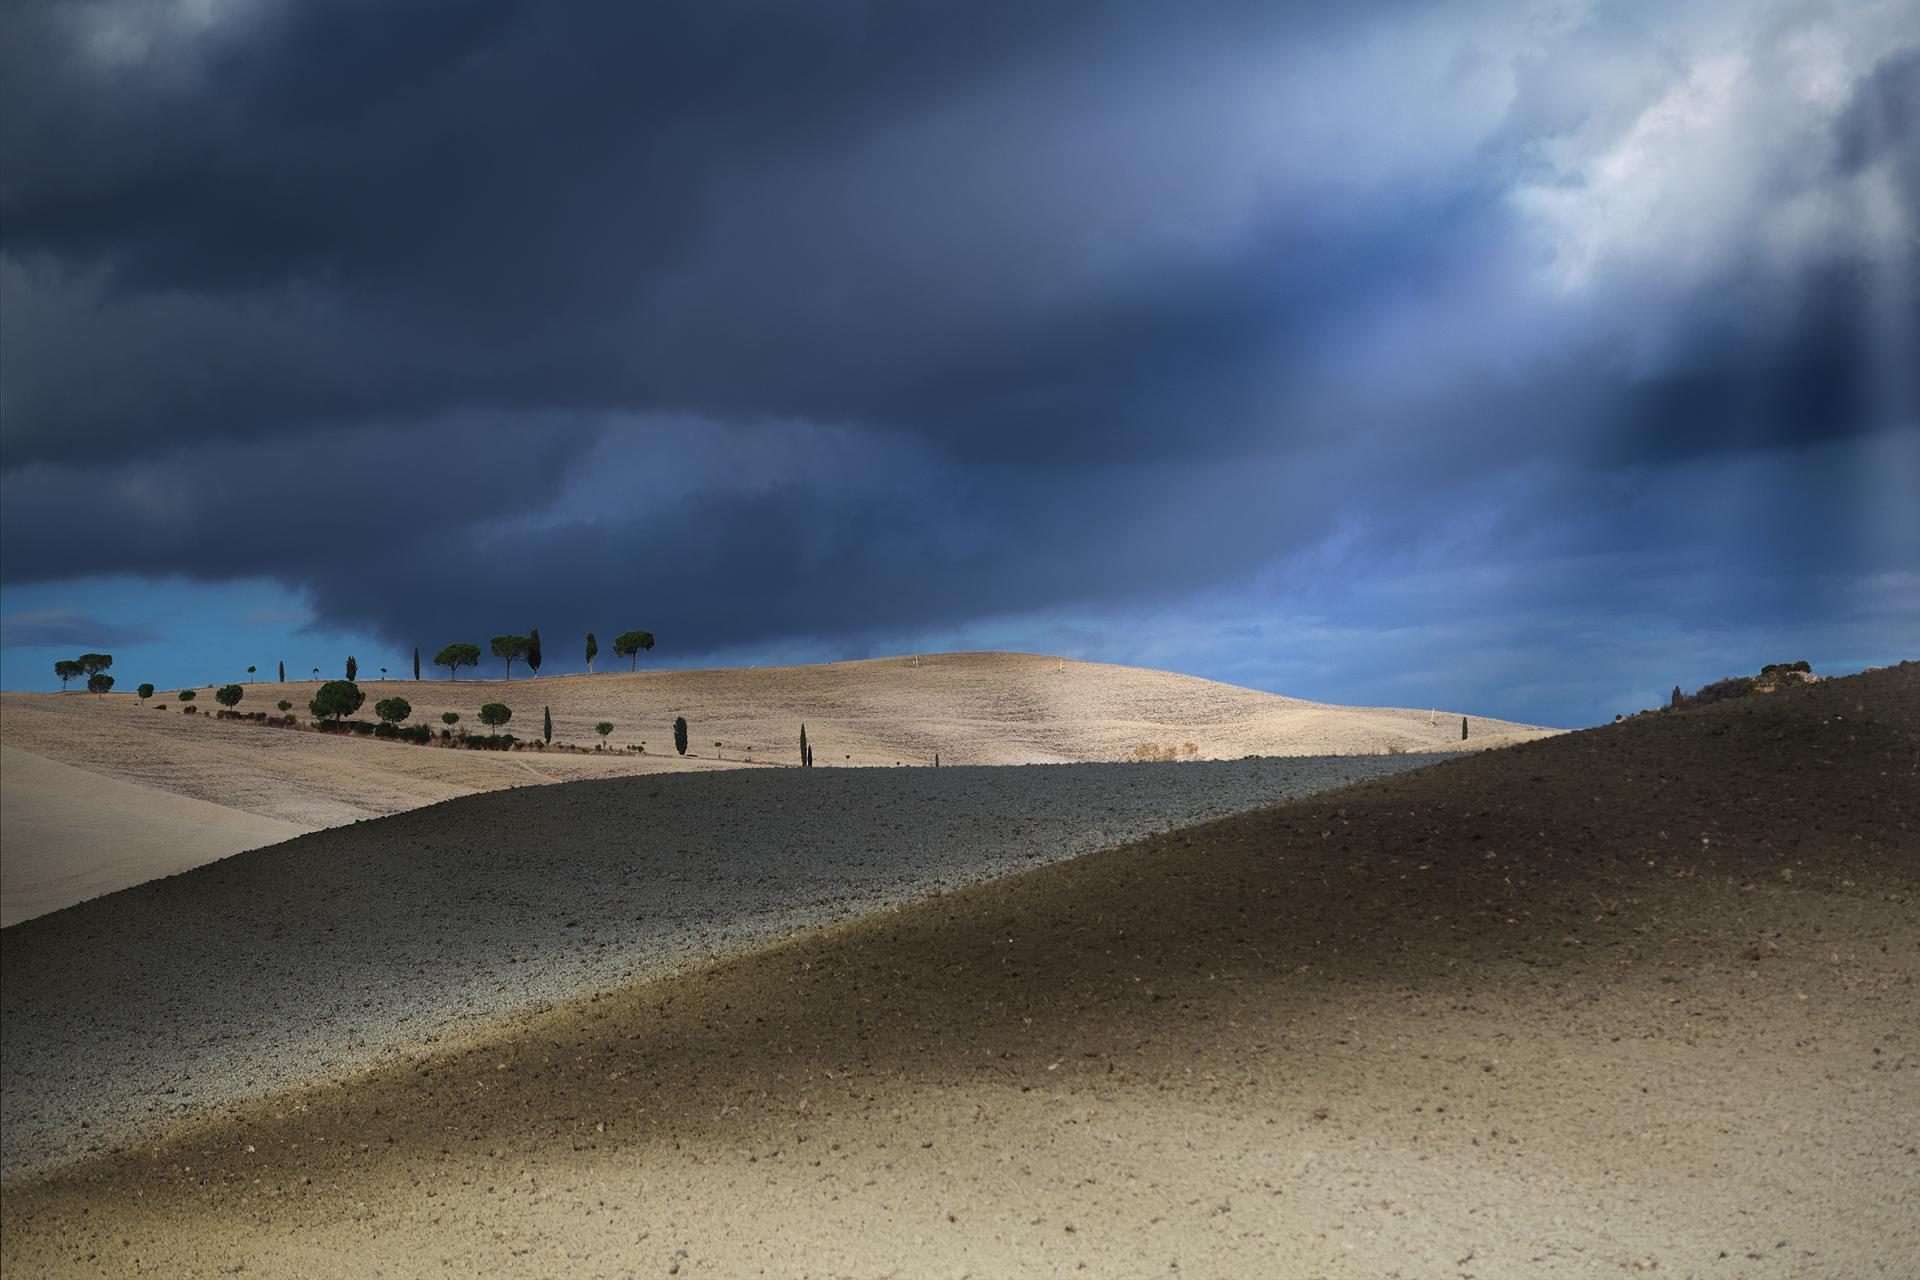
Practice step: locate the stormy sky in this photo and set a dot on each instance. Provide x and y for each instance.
(1524, 358)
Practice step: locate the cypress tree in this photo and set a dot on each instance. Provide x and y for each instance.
(1463, 728)
(803, 744)
(549, 724)
(533, 653)
(353, 668)
(283, 671)
(593, 649)
(416, 662)
(680, 734)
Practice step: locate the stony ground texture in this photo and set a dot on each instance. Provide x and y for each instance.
(316, 956)
(1642, 1000)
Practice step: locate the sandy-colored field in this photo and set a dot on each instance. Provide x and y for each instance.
(1640, 1000)
(70, 835)
(981, 708)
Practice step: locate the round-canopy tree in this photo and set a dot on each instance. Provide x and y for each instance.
(456, 656)
(68, 669)
(450, 717)
(284, 705)
(252, 669)
(229, 695)
(145, 691)
(99, 682)
(336, 698)
(393, 710)
(187, 695)
(510, 648)
(628, 644)
(604, 728)
(495, 714)
(94, 663)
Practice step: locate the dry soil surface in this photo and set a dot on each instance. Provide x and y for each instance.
(1639, 1000)
(311, 958)
(69, 835)
(979, 708)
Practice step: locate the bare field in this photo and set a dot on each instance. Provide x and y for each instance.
(1640, 1000)
(979, 708)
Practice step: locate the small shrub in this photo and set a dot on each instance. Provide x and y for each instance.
(449, 718)
(189, 709)
(284, 705)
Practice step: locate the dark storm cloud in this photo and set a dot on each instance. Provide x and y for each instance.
(1096, 304)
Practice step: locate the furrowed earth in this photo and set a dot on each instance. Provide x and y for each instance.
(1635, 1000)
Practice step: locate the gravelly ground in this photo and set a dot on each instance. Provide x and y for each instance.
(321, 955)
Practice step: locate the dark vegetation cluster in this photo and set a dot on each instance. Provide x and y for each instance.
(1772, 678)
(335, 701)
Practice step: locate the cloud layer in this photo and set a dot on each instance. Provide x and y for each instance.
(830, 322)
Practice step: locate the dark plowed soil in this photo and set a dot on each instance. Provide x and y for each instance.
(1640, 1000)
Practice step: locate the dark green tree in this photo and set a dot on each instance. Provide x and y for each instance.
(99, 682)
(187, 695)
(450, 718)
(1463, 728)
(416, 662)
(604, 728)
(680, 734)
(94, 663)
(68, 669)
(533, 652)
(1677, 698)
(456, 656)
(283, 671)
(393, 710)
(549, 725)
(251, 670)
(284, 705)
(229, 695)
(336, 698)
(510, 649)
(593, 651)
(803, 744)
(495, 714)
(353, 668)
(629, 644)
(145, 691)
